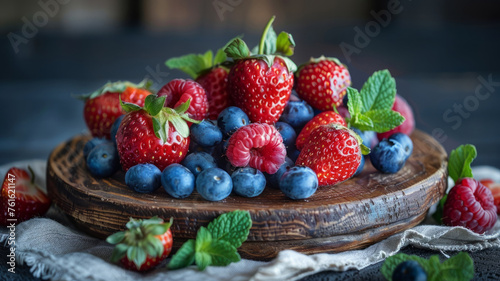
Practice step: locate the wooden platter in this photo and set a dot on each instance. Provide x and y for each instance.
(351, 215)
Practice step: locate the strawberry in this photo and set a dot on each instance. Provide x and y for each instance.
(324, 118)
(322, 82)
(102, 107)
(153, 134)
(210, 74)
(21, 198)
(144, 245)
(333, 152)
(178, 91)
(495, 191)
(261, 84)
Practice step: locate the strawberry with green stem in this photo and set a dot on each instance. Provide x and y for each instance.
(333, 151)
(322, 82)
(102, 107)
(153, 134)
(209, 72)
(260, 84)
(144, 245)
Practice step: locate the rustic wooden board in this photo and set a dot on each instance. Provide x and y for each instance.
(351, 215)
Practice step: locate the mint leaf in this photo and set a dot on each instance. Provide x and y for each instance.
(184, 256)
(379, 91)
(285, 44)
(237, 49)
(191, 64)
(460, 160)
(232, 227)
(384, 120)
(362, 122)
(354, 102)
(222, 253)
(459, 267)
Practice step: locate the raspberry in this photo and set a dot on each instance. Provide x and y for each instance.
(259, 146)
(470, 204)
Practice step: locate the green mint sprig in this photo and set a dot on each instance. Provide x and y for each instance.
(459, 267)
(459, 166)
(215, 244)
(371, 108)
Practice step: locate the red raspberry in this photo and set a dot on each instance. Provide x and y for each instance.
(259, 146)
(470, 204)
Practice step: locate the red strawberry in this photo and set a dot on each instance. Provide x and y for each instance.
(215, 84)
(153, 134)
(259, 146)
(102, 107)
(261, 84)
(495, 191)
(322, 82)
(324, 118)
(21, 198)
(206, 70)
(470, 204)
(151, 241)
(178, 91)
(333, 152)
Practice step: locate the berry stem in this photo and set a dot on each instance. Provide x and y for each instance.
(264, 34)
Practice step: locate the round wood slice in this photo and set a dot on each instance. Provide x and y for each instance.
(356, 213)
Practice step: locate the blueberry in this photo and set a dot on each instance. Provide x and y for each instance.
(409, 271)
(297, 114)
(405, 141)
(230, 119)
(214, 184)
(248, 182)
(91, 144)
(195, 147)
(287, 133)
(361, 166)
(114, 128)
(198, 161)
(299, 182)
(293, 153)
(206, 133)
(369, 137)
(103, 160)
(178, 181)
(143, 178)
(273, 180)
(388, 156)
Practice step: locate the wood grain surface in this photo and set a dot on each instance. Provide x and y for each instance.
(356, 213)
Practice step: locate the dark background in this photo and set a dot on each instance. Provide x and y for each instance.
(438, 51)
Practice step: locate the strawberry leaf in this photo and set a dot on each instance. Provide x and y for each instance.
(237, 49)
(116, 238)
(153, 105)
(267, 45)
(119, 252)
(158, 130)
(116, 87)
(292, 67)
(365, 150)
(220, 57)
(185, 256)
(285, 44)
(191, 64)
(384, 120)
(379, 91)
(183, 107)
(459, 162)
(180, 125)
(129, 107)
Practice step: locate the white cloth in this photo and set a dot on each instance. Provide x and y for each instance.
(53, 249)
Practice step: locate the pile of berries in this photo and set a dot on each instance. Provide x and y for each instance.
(245, 122)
